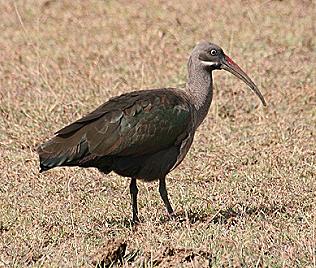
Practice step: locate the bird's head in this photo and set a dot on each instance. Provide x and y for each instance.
(211, 57)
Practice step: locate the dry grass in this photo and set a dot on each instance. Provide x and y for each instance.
(246, 193)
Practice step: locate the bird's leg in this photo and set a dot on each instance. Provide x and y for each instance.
(164, 195)
(133, 190)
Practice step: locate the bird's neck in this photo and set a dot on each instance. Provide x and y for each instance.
(200, 89)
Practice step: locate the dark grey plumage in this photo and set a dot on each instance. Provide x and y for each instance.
(143, 134)
(138, 134)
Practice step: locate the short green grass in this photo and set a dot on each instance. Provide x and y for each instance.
(246, 192)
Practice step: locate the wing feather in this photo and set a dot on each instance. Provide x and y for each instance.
(132, 124)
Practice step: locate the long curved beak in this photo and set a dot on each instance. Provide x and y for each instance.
(229, 65)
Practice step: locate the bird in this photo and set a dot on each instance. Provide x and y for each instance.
(144, 134)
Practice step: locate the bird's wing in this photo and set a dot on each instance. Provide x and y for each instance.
(136, 123)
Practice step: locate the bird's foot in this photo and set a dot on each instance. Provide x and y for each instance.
(179, 216)
(172, 215)
(135, 220)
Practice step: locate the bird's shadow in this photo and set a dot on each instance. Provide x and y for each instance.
(230, 215)
(226, 216)
(123, 222)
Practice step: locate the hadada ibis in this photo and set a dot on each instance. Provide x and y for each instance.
(143, 134)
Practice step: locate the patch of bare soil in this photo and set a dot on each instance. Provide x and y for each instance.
(111, 253)
(114, 253)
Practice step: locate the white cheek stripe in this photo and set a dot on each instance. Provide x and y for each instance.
(209, 63)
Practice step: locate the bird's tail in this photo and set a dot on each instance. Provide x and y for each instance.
(60, 152)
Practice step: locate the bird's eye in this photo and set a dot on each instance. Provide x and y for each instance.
(213, 52)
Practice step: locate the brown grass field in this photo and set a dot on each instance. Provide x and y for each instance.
(246, 193)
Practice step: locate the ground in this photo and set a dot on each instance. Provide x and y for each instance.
(246, 193)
